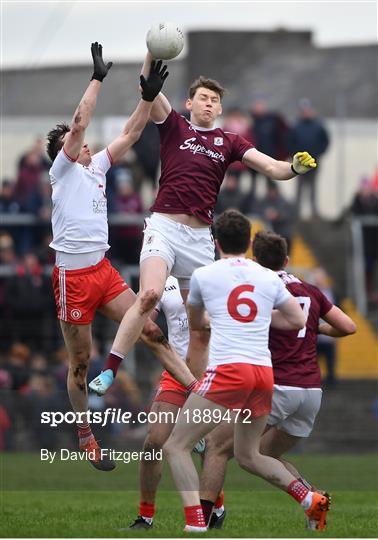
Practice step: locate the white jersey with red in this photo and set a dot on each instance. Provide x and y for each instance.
(79, 214)
(239, 296)
(83, 279)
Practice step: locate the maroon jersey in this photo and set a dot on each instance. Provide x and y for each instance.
(193, 164)
(294, 355)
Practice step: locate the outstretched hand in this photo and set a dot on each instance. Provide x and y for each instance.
(154, 82)
(303, 162)
(100, 69)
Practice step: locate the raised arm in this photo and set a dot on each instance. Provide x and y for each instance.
(161, 106)
(337, 324)
(278, 170)
(83, 113)
(138, 120)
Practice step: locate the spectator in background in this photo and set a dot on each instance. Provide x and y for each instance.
(18, 367)
(31, 167)
(326, 346)
(147, 152)
(38, 148)
(239, 122)
(279, 213)
(270, 132)
(365, 203)
(127, 239)
(308, 132)
(7, 251)
(230, 195)
(8, 202)
(29, 304)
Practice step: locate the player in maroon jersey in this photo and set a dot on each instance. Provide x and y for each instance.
(297, 389)
(177, 237)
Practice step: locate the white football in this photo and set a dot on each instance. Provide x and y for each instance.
(165, 40)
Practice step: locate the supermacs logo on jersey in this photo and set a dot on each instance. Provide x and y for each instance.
(195, 148)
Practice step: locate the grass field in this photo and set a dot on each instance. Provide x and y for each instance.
(68, 499)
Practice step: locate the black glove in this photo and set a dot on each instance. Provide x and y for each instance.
(100, 70)
(154, 83)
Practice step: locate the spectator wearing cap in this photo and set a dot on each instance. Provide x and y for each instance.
(308, 133)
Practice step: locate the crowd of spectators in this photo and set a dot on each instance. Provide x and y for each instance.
(32, 383)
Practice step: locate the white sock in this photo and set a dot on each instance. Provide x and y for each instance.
(306, 503)
(148, 519)
(193, 528)
(120, 355)
(218, 511)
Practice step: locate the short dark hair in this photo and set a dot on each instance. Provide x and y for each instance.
(55, 139)
(233, 232)
(204, 82)
(270, 249)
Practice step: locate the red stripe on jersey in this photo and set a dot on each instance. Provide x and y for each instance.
(110, 157)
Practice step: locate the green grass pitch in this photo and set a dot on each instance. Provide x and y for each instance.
(68, 499)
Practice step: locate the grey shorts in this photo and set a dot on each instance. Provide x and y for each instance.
(294, 409)
(183, 248)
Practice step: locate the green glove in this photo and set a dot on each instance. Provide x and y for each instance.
(302, 163)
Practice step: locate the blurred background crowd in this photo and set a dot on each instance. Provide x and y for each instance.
(337, 253)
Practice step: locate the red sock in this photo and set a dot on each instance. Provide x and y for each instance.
(207, 508)
(84, 430)
(220, 500)
(113, 362)
(194, 516)
(146, 509)
(297, 490)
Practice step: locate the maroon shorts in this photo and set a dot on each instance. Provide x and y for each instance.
(79, 293)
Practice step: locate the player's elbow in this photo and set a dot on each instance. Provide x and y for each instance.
(77, 130)
(348, 328)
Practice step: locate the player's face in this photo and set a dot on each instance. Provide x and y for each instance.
(204, 107)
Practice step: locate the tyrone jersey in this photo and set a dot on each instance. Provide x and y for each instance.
(173, 307)
(239, 296)
(294, 356)
(79, 213)
(193, 164)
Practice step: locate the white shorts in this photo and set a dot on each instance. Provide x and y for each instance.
(294, 409)
(183, 248)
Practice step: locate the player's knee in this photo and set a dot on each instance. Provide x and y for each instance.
(79, 363)
(148, 300)
(246, 462)
(151, 331)
(152, 446)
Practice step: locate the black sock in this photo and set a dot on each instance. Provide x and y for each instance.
(207, 508)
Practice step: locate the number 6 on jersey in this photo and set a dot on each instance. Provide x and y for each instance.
(235, 300)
